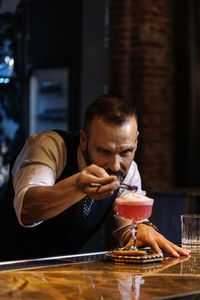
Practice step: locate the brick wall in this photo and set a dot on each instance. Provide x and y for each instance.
(141, 68)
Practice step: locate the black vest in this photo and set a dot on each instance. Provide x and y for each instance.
(60, 235)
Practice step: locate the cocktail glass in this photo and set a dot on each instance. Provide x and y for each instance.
(135, 208)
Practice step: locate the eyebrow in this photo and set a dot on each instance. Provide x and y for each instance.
(108, 150)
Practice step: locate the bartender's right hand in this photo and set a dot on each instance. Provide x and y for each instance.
(96, 174)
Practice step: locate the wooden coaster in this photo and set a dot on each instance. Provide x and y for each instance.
(131, 256)
(129, 252)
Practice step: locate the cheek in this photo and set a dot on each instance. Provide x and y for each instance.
(95, 158)
(98, 160)
(126, 162)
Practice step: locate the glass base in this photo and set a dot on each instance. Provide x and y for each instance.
(191, 245)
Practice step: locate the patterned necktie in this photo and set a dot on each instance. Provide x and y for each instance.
(86, 207)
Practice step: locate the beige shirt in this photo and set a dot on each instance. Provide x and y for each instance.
(42, 161)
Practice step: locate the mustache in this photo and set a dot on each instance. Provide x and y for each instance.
(120, 172)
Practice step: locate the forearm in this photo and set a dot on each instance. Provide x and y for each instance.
(44, 202)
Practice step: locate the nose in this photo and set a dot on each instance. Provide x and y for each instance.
(114, 163)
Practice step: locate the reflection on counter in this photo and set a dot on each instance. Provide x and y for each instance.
(192, 265)
(104, 279)
(129, 286)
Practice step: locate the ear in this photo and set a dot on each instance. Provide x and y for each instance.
(136, 140)
(83, 140)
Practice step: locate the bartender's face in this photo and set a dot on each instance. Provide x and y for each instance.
(111, 147)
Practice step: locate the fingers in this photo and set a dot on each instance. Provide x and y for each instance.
(96, 171)
(95, 174)
(103, 191)
(167, 246)
(175, 250)
(148, 236)
(156, 248)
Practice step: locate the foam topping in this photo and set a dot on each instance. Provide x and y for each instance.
(130, 198)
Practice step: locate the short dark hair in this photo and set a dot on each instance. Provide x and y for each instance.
(112, 109)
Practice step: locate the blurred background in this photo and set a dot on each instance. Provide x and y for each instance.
(58, 56)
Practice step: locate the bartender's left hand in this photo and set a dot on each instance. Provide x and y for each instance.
(147, 235)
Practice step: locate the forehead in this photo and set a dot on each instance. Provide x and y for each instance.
(103, 132)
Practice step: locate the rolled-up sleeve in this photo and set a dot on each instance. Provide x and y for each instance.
(40, 163)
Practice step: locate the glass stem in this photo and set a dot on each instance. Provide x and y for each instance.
(134, 234)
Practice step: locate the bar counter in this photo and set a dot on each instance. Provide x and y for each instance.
(92, 276)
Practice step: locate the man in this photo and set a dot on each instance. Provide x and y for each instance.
(56, 205)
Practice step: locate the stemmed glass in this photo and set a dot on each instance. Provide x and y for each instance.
(135, 208)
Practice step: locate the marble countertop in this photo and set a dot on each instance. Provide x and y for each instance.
(104, 279)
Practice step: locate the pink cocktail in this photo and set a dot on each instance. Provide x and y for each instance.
(135, 208)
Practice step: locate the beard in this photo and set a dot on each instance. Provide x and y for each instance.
(120, 174)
